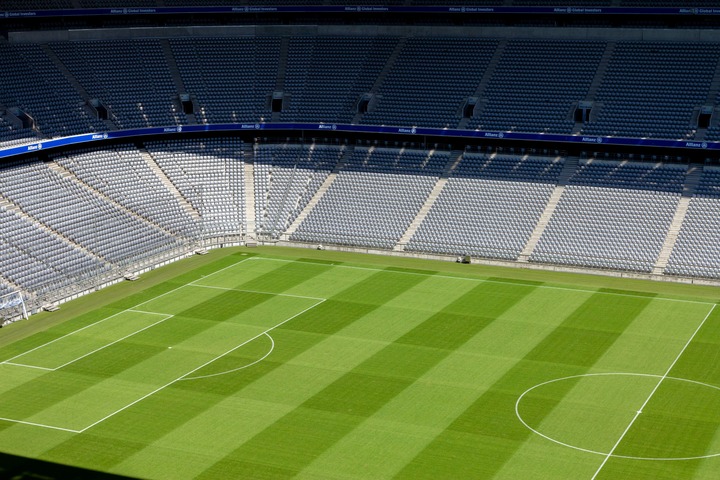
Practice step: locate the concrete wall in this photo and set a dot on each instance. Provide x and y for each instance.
(604, 34)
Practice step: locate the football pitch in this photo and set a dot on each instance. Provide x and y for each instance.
(326, 365)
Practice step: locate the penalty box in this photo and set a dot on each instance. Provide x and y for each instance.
(87, 376)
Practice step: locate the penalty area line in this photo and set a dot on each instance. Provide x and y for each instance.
(255, 291)
(185, 375)
(130, 309)
(52, 427)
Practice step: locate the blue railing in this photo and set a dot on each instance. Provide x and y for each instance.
(239, 10)
(318, 128)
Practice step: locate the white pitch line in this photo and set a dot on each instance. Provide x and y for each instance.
(149, 313)
(119, 313)
(451, 277)
(272, 347)
(53, 427)
(60, 338)
(224, 268)
(112, 343)
(28, 366)
(647, 400)
(198, 368)
(256, 291)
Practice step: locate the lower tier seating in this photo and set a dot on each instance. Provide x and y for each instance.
(78, 216)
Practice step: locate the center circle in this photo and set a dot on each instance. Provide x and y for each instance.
(590, 412)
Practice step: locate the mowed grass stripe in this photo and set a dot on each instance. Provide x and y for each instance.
(403, 427)
(487, 434)
(278, 277)
(231, 262)
(89, 374)
(223, 426)
(681, 419)
(594, 413)
(358, 394)
(97, 370)
(128, 302)
(124, 435)
(100, 335)
(259, 405)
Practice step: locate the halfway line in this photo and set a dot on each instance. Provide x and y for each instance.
(647, 400)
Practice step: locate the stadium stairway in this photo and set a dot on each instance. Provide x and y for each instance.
(184, 203)
(74, 82)
(571, 164)
(249, 166)
(691, 182)
(177, 78)
(455, 157)
(65, 173)
(12, 207)
(597, 80)
(282, 68)
(487, 75)
(320, 193)
(713, 94)
(383, 73)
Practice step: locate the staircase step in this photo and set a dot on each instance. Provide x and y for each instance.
(455, 157)
(169, 185)
(251, 232)
(421, 215)
(483, 83)
(64, 173)
(73, 81)
(383, 73)
(177, 77)
(319, 194)
(12, 207)
(568, 169)
(692, 179)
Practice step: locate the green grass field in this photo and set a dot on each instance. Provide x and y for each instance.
(276, 363)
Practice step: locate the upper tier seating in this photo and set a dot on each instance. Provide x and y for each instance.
(10, 135)
(489, 206)
(374, 197)
(651, 89)
(535, 89)
(131, 77)
(31, 82)
(430, 81)
(612, 215)
(325, 82)
(230, 78)
(286, 178)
